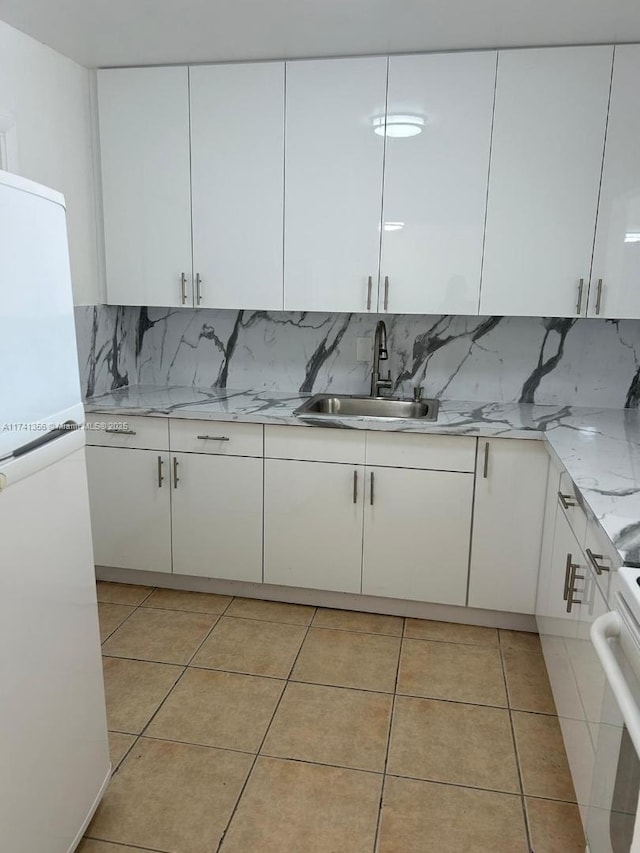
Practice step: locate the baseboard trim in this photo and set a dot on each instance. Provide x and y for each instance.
(322, 598)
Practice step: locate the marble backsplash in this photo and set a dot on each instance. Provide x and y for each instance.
(501, 359)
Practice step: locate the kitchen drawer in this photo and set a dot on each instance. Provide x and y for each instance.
(602, 556)
(220, 438)
(142, 433)
(574, 513)
(314, 444)
(410, 450)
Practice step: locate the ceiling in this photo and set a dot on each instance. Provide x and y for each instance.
(145, 32)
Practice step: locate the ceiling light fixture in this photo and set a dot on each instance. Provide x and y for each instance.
(399, 126)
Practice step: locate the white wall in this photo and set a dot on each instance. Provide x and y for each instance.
(50, 98)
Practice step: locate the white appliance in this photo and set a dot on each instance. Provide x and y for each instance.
(54, 759)
(613, 822)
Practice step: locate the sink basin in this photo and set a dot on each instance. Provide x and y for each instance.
(348, 406)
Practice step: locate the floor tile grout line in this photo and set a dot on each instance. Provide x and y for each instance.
(127, 617)
(262, 742)
(123, 845)
(525, 816)
(389, 730)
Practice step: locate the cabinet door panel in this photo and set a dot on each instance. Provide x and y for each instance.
(616, 259)
(217, 516)
(333, 194)
(130, 508)
(313, 525)
(546, 159)
(507, 524)
(435, 183)
(237, 161)
(144, 141)
(416, 534)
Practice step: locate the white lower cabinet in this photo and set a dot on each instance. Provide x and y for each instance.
(313, 524)
(216, 516)
(416, 534)
(129, 493)
(507, 524)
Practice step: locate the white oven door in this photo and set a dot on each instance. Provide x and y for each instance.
(611, 818)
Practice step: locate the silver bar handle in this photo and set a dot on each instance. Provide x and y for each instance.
(572, 582)
(593, 559)
(355, 487)
(160, 477)
(485, 472)
(198, 289)
(369, 291)
(176, 479)
(213, 437)
(386, 293)
(580, 291)
(121, 431)
(183, 287)
(567, 571)
(599, 297)
(371, 495)
(567, 501)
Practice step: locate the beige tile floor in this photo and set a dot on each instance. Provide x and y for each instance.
(239, 725)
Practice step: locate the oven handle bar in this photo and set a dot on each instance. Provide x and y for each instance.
(607, 627)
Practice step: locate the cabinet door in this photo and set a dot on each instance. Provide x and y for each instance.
(507, 524)
(237, 163)
(417, 527)
(435, 182)
(313, 524)
(144, 143)
(616, 261)
(546, 158)
(216, 516)
(129, 495)
(333, 194)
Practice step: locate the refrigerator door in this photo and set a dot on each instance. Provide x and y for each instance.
(53, 740)
(39, 383)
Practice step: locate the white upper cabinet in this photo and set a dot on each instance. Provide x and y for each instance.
(615, 283)
(237, 184)
(144, 140)
(546, 161)
(435, 181)
(333, 193)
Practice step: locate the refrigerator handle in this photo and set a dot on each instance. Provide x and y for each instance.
(45, 438)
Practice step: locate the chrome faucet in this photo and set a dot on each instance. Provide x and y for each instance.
(379, 354)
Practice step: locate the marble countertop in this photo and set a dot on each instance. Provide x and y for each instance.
(599, 448)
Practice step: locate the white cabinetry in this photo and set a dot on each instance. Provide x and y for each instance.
(507, 524)
(333, 194)
(416, 534)
(546, 160)
(144, 142)
(237, 184)
(435, 182)
(616, 261)
(313, 524)
(216, 516)
(129, 492)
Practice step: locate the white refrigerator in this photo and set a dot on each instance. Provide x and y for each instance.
(54, 758)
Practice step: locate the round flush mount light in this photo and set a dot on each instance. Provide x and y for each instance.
(398, 126)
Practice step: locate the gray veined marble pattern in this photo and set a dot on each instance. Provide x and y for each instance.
(503, 359)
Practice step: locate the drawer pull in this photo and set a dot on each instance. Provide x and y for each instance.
(213, 437)
(580, 291)
(369, 289)
(599, 297)
(355, 487)
(121, 431)
(183, 288)
(175, 473)
(567, 501)
(386, 293)
(371, 496)
(567, 571)
(573, 577)
(485, 472)
(160, 477)
(593, 559)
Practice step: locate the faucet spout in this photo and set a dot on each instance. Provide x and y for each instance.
(380, 353)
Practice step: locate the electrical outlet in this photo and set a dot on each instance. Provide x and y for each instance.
(364, 349)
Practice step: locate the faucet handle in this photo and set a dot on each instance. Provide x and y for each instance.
(417, 393)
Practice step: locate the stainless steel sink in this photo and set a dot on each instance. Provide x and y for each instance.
(349, 406)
